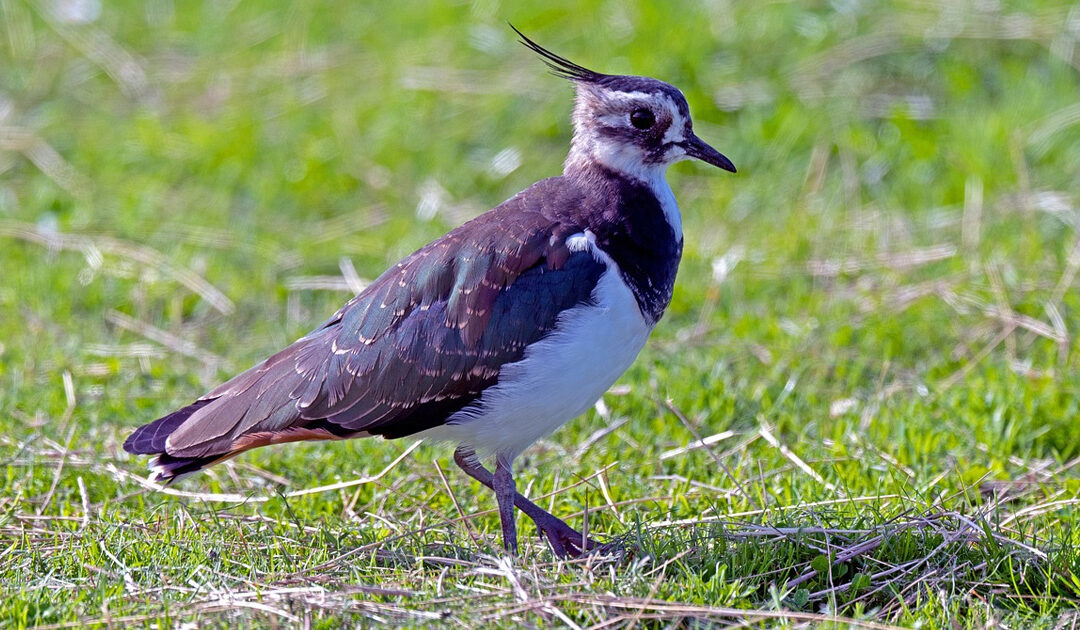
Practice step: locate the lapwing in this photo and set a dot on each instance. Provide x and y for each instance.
(495, 334)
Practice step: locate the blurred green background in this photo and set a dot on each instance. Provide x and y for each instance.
(880, 304)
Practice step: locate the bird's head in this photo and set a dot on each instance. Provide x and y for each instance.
(633, 125)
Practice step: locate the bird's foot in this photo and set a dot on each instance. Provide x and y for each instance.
(565, 541)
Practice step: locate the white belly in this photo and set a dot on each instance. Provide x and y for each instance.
(559, 377)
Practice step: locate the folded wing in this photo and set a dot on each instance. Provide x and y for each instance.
(420, 343)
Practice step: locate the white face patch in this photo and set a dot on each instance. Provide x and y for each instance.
(675, 154)
(636, 96)
(676, 131)
(598, 109)
(614, 120)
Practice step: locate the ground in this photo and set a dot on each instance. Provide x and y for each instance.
(859, 410)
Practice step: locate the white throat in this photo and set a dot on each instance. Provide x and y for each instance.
(663, 192)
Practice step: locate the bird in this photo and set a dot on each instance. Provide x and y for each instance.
(493, 335)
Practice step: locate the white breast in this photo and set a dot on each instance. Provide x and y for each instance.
(559, 377)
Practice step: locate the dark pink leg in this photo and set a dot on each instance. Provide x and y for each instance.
(565, 540)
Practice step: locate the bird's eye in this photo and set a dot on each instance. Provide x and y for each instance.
(642, 118)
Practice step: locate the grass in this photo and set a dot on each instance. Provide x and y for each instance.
(873, 328)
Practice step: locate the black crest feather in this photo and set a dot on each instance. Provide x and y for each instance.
(560, 66)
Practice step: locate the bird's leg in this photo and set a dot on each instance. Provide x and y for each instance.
(506, 493)
(565, 540)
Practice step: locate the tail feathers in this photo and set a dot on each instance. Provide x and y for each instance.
(149, 439)
(169, 468)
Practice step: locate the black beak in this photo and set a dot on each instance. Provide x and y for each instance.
(696, 148)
